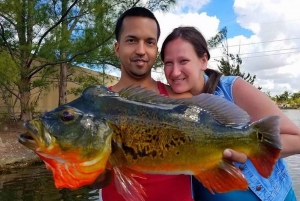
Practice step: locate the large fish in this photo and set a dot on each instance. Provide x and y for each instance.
(137, 130)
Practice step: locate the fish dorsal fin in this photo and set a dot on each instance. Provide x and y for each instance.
(222, 110)
(141, 94)
(97, 90)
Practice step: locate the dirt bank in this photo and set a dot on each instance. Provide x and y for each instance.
(12, 153)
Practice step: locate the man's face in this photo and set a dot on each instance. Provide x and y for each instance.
(137, 46)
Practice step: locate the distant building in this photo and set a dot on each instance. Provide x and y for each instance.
(48, 100)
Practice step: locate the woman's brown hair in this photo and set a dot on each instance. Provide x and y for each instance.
(196, 39)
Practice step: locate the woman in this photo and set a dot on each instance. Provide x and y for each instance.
(185, 56)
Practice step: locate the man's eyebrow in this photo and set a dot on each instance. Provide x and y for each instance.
(151, 39)
(133, 36)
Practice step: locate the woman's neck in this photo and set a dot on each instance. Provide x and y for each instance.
(199, 86)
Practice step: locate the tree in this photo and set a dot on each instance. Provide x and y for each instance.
(229, 64)
(295, 95)
(285, 96)
(233, 68)
(39, 34)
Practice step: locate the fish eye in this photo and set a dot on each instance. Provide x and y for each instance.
(67, 115)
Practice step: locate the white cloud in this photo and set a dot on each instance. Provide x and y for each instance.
(208, 25)
(272, 53)
(111, 70)
(275, 26)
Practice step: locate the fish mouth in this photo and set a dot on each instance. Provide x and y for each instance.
(30, 138)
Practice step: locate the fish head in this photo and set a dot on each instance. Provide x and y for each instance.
(74, 140)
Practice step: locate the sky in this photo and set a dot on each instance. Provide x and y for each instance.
(265, 33)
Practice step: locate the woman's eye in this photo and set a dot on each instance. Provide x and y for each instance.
(167, 63)
(183, 61)
(67, 115)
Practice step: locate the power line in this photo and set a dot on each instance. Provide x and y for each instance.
(264, 55)
(271, 54)
(278, 21)
(271, 41)
(262, 52)
(270, 51)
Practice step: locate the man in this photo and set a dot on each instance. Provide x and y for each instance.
(137, 33)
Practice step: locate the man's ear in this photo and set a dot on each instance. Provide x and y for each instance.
(116, 48)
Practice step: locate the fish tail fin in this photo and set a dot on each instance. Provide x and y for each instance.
(269, 146)
(224, 177)
(127, 186)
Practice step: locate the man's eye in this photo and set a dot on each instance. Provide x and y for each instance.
(151, 42)
(130, 40)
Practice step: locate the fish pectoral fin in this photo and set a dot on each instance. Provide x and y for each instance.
(223, 178)
(126, 185)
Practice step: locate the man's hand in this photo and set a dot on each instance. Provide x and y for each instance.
(234, 156)
(102, 180)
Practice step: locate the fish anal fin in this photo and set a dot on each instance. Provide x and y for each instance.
(225, 177)
(126, 185)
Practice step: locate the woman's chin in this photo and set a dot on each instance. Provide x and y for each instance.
(179, 90)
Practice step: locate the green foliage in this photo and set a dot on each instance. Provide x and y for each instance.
(37, 35)
(229, 64)
(233, 68)
(218, 38)
(287, 99)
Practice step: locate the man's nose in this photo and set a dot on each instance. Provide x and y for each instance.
(140, 50)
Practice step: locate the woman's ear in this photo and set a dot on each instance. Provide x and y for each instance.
(203, 61)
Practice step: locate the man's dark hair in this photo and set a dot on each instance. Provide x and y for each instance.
(135, 12)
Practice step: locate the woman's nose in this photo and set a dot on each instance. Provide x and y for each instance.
(175, 71)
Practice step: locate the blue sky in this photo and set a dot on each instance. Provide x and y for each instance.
(224, 11)
(264, 33)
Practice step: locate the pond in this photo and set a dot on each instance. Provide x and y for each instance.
(35, 183)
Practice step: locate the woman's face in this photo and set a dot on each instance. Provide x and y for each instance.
(183, 68)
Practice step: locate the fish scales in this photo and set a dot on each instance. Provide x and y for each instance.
(138, 131)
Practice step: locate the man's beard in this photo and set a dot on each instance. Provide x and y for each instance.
(140, 76)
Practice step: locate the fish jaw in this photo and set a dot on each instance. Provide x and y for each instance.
(71, 171)
(35, 137)
(75, 175)
(69, 168)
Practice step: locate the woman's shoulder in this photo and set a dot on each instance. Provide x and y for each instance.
(228, 79)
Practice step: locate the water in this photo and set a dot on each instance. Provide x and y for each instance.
(35, 183)
(294, 161)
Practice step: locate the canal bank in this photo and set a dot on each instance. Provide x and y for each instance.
(12, 153)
